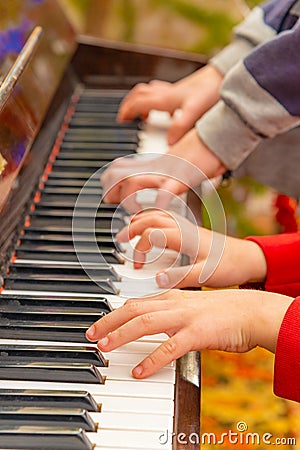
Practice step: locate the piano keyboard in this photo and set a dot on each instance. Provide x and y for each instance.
(57, 391)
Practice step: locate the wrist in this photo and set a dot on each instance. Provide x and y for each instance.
(271, 310)
(206, 81)
(256, 262)
(193, 149)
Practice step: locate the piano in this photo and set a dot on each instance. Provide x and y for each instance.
(58, 100)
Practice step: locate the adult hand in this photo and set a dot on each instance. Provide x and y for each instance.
(228, 320)
(194, 95)
(215, 260)
(186, 165)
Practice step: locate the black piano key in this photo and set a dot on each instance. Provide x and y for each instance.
(59, 191)
(90, 155)
(105, 232)
(14, 416)
(109, 150)
(41, 438)
(88, 204)
(38, 306)
(46, 269)
(81, 222)
(77, 174)
(103, 135)
(104, 242)
(68, 254)
(48, 399)
(101, 120)
(96, 123)
(58, 283)
(108, 214)
(51, 331)
(91, 107)
(12, 303)
(83, 213)
(60, 194)
(56, 183)
(78, 373)
(94, 115)
(100, 101)
(68, 202)
(49, 318)
(46, 353)
(52, 205)
(106, 95)
(84, 136)
(101, 95)
(62, 170)
(79, 164)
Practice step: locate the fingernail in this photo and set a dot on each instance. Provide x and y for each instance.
(137, 371)
(103, 342)
(162, 279)
(91, 332)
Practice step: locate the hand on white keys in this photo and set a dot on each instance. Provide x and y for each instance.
(186, 165)
(229, 320)
(216, 260)
(193, 95)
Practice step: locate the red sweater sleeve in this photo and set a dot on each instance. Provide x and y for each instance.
(287, 357)
(282, 252)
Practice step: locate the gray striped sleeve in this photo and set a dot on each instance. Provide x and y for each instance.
(244, 116)
(250, 33)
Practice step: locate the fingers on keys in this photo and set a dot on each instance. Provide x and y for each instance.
(142, 317)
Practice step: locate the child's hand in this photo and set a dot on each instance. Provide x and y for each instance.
(194, 95)
(215, 260)
(229, 320)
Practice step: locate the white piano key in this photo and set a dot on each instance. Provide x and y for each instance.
(137, 405)
(124, 373)
(137, 347)
(134, 388)
(129, 439)
(131, 421)
(120, 358)
(160, 337)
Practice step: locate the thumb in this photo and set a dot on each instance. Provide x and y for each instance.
(180, 277)
(181, 124)
(170, 189)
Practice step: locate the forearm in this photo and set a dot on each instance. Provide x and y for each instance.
(207, 80)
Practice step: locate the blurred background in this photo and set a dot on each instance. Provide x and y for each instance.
(191, 25)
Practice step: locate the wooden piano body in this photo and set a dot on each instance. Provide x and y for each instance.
(34, 100)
